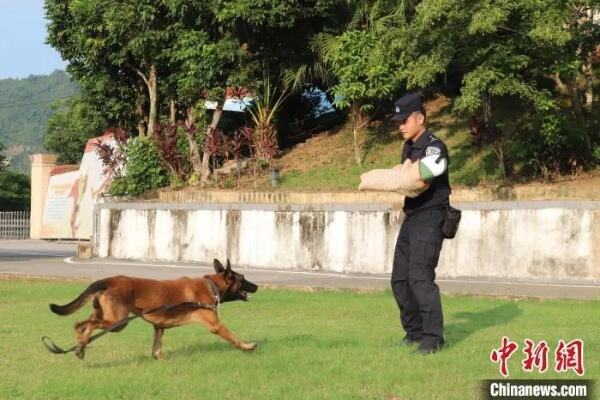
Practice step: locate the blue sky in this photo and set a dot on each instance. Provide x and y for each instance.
(22, 37)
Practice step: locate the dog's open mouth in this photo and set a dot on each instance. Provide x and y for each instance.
(244, 295)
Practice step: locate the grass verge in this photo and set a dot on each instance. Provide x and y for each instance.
(312, 345)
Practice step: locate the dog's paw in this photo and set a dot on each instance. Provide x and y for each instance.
(248, 346)
(80, 352)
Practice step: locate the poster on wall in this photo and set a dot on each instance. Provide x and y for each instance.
(71, 196)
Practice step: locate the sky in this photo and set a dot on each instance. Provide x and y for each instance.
(22, 37)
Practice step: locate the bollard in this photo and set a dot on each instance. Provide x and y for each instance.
(84, 250)
(275, 176)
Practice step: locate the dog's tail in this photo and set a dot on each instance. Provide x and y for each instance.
(79, 301)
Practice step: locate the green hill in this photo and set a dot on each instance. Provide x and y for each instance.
(24, 112)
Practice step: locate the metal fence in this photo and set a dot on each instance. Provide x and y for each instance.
(14, 224)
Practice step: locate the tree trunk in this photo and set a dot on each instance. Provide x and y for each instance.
(487, 109)
(191, 135)
(492, 133)
(579, 114)
(359, 121)
(151, 84)
(173, 111)
(211, 128)
(498, 149)
(139, 112)
(588, 72)
(561, 87)
(153, 96)
(354, 119)
(356, 149)
(141, 126)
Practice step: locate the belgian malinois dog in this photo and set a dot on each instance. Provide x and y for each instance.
(164, 304)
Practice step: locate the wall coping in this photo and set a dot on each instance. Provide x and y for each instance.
(350, 207)
(535, 192)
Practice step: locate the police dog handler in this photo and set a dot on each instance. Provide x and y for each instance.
(423, 179)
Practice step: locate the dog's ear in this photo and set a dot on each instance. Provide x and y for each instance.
(228, 270)
(218, 266)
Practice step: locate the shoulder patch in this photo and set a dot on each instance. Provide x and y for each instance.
(432, 151)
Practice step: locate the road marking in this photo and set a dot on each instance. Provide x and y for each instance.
(69, 260)
(9, 252)
(573, 285)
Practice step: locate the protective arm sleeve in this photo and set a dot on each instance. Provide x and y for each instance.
(405, 179)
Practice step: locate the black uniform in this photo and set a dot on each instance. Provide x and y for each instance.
(418, 249)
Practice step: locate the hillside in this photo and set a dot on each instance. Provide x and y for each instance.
(24, 112)
(326, 161)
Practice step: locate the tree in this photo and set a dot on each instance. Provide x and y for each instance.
(4, 161)
(532, 54)
(276, 36)
(115, 40)
(359, 60)
(118, 98)
(239, 43)
(365, 77)
(208, 63)
(69, 128)
(131, 57)
(14, 191)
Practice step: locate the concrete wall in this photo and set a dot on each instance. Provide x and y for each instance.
(546, 240)
(543, 240)
(41, 166)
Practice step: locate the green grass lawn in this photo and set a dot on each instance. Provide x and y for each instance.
(312, 345)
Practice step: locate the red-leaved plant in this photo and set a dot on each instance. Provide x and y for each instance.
(113, 157)
(165, 138)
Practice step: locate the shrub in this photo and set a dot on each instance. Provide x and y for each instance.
(15, 192)
(596, 154)
(143, 171)
(174, 148)
(549, 145)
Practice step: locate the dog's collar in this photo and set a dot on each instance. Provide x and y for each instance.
(215, 292)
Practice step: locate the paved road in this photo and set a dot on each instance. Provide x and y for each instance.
(57, 259)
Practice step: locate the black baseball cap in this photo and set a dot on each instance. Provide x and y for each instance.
(406, 105)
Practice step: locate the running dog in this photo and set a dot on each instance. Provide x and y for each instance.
(164, 304)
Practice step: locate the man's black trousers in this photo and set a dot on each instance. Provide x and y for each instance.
(415, 258)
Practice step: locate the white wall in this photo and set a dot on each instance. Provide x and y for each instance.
(517, 240)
